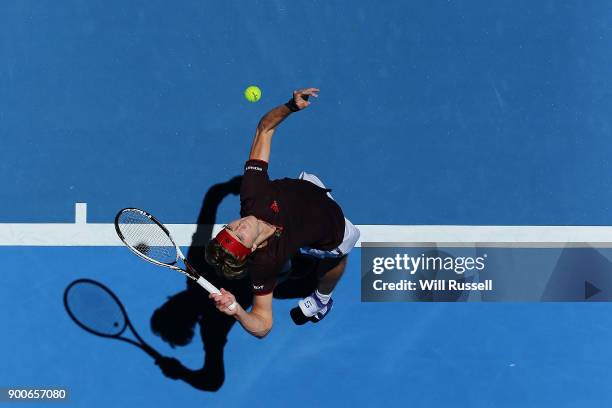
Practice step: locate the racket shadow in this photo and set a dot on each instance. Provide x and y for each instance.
(96, 309)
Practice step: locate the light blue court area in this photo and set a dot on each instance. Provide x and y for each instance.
(476, 355)
(431, 113)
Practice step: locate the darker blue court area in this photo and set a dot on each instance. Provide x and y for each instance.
(439, 112)
(430, 112)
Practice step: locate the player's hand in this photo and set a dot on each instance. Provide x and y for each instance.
(223, 301)
(300, 97)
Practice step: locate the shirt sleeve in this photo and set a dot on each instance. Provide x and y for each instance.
(255, 183)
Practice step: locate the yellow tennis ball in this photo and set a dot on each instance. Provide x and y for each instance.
(252, 93)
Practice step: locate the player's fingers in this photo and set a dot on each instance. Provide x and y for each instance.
(310, 91)
(226, 293)
(221, 301)
(224, 307)
(304, 91)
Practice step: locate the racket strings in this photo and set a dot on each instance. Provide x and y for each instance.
(146, 237)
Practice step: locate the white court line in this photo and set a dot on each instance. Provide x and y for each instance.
(80, 213)
(82, 234)
(104, 234)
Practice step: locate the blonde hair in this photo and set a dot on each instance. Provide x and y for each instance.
(226, 264)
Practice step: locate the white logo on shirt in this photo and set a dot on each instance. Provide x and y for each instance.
(258, 287)
(253, 168)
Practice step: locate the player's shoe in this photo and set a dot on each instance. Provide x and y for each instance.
(310, 309)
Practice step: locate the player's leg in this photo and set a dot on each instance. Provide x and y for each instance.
(330, 272)
(300, 281)
(331, 266)
(319, 303)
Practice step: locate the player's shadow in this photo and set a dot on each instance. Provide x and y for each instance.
(175, 321)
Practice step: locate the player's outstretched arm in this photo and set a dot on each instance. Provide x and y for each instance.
(257, 322)
(260, 149)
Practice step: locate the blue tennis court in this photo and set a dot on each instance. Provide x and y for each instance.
(431, 114)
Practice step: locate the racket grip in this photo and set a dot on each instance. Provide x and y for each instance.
(207, 285)
(212, 289)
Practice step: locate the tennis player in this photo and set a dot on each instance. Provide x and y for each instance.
(280, 219)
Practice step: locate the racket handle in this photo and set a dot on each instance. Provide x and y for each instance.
(212, 289)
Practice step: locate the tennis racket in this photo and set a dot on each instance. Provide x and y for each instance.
(94, 308)
(148, 238)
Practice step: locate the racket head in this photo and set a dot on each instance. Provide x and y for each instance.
(146, 237)
(94, 308)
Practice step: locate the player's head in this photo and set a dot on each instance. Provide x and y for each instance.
(227, 252)
(245, 230)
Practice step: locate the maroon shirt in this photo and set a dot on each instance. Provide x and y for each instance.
(302, 211)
